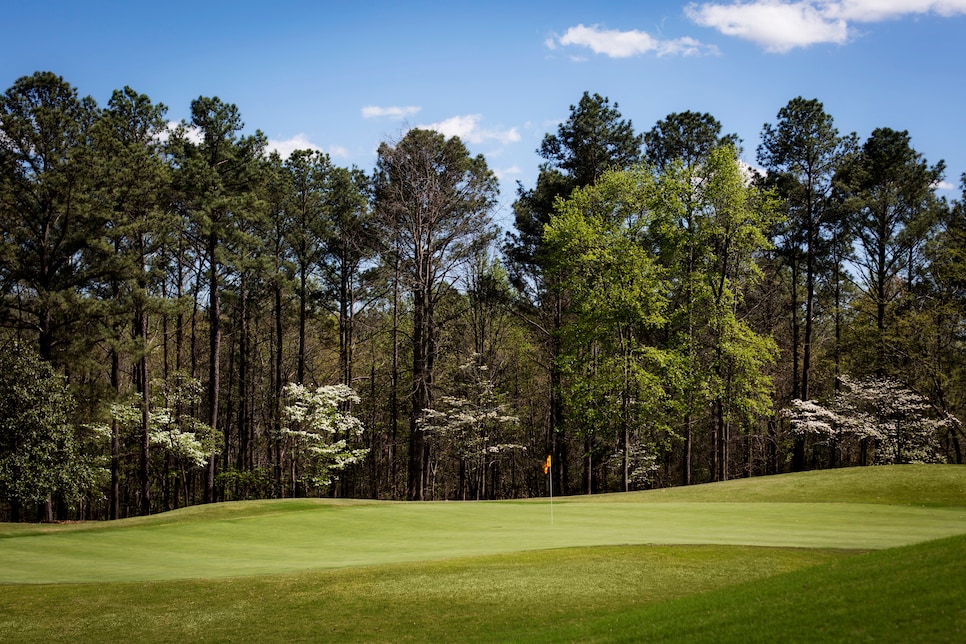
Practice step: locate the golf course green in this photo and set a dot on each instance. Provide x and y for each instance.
(819, 556)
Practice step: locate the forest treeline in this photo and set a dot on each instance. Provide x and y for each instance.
(189, 318)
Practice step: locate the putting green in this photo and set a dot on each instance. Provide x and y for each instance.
(280, 536)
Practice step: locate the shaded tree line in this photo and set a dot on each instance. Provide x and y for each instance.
(207, 321)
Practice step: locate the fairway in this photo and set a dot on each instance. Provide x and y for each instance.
(262, 569)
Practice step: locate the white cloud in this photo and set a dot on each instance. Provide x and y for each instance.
(782, 25)
(301, 142)
(777, 26)
(395, 113)
(877, 10)
(626, 44)
(505, 173)
(288, 146)
(468, 128)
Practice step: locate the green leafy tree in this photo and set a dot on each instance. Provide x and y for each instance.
(685, 137)
(42, 452)
(217, 177)
(930, 333)
(801, 153)
(618, 296)
(348, 245)
(595, 138)
(132, 182)
(679, 148)
(308, 229)
(709, 230)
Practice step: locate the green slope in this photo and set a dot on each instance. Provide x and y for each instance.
(910, 594)
(339, 537)
(522, 596)
(372, 571)
(234, 540)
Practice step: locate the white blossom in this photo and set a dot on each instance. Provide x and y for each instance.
(318, 429)
(901, 424)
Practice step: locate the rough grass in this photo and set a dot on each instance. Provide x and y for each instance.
(366, 571)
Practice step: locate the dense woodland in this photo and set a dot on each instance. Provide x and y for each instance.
(186, 318)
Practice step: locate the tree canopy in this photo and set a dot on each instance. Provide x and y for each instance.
(187, 317)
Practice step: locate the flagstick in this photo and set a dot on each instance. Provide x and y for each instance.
(550, 472)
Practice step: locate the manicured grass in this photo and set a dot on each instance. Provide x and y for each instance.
(373, 571)
(326, 537)
(910, 594)
(520, 596)
(923, 485)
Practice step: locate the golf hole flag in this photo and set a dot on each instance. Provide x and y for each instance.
(546, 466)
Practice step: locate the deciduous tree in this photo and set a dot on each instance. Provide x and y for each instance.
(592, 140)
(433, 200)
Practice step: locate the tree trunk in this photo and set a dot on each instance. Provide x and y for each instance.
(276, 439)
(422, 396)
(214, 353)
(145, 413)
(115, 501)
(303, 315)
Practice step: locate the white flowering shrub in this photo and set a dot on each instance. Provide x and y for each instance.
(318, 431)
(172, 430)
(186, 437)
(901, 425)
(809, 417)
(474, 429)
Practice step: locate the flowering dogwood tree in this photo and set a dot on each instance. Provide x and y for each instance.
(318, 430)
(173, 431)
(901, 425)
(473, 428)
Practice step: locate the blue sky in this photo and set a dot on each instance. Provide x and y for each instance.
(344, 76)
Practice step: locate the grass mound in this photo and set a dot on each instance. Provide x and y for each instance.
(816, 556)
(909, 594)
(922, 485)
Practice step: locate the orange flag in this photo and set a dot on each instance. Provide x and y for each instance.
(546, 466)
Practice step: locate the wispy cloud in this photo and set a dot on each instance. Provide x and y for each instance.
(782, 25)
(468, 128)
(626, 44)
(877, 10)
(287, 146)
(395, 113)
(504, 174)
